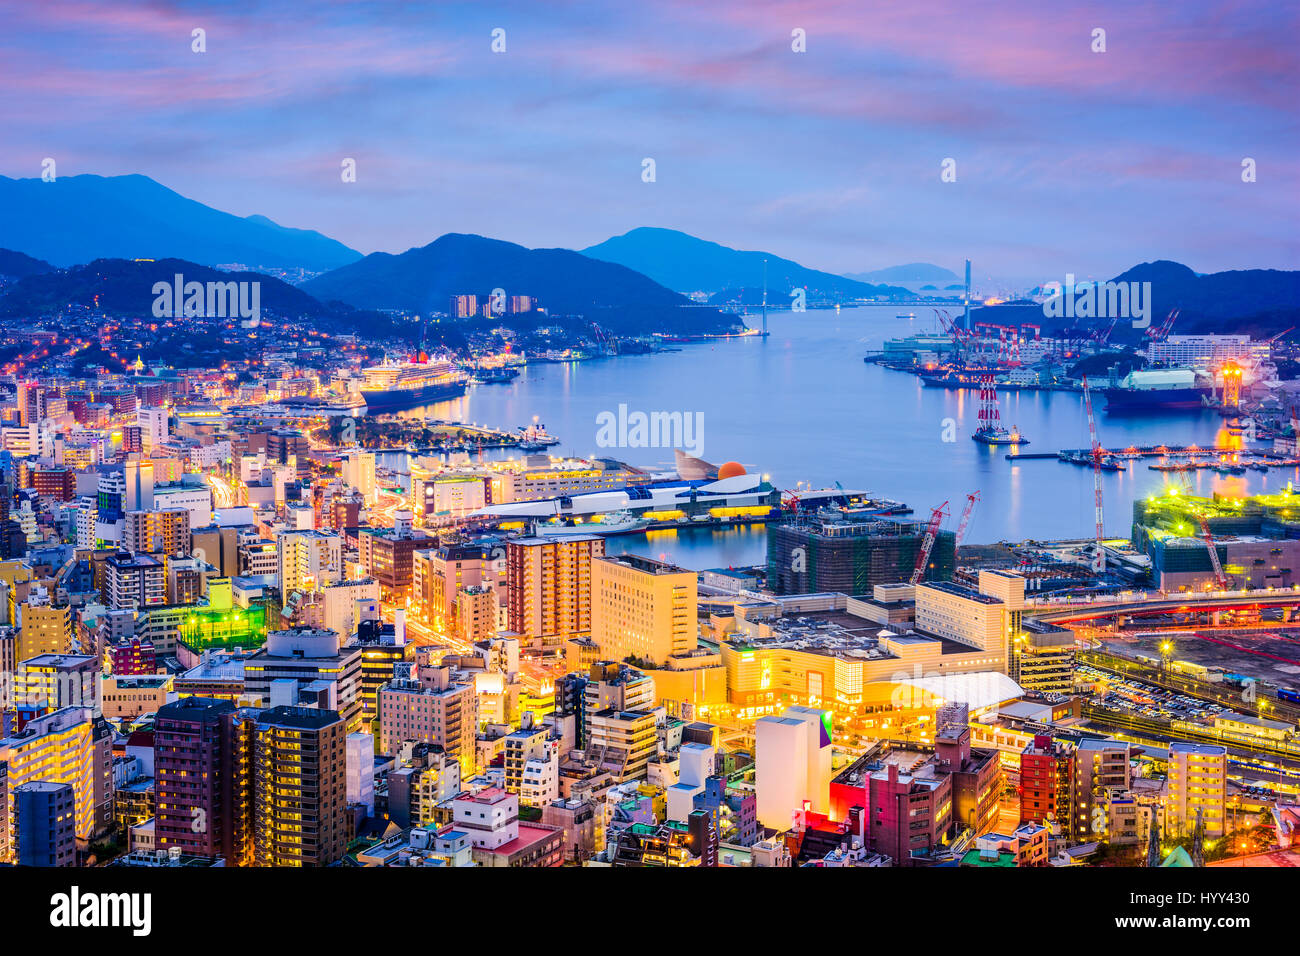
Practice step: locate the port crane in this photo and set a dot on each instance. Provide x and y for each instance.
(971, 498)
(1161, 332)
(927, 543)
(1099, 559)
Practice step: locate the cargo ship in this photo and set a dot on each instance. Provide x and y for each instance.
(407, 384)
(1156, 388)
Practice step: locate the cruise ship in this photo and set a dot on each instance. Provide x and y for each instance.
(406, 384)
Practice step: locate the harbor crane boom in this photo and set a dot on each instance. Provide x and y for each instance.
(927, 543)
(971, 498)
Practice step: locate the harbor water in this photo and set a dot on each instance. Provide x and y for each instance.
(802, 406)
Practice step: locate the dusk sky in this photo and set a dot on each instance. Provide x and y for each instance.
(1066, 159)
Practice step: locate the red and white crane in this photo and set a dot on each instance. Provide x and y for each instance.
(927, 543)
(1099, 559)
(971, 498)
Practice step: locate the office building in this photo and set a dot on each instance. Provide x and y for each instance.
(643, 609)
(793, 765)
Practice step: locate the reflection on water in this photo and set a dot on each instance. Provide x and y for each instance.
(803, 406)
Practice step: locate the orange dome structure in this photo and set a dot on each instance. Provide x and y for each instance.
(730, 469)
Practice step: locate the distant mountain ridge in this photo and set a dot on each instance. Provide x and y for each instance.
(424, 279)
(688, 264)
(125, 286)
(17, 264)
(912, 272)
(1259, 302)
(75, 220)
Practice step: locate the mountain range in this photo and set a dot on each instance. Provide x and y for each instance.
(78, 219)
(1259, 302)
(912, 273)
(76, 237)
(687, 264)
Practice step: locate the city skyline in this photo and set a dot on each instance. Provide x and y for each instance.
(1065, 159)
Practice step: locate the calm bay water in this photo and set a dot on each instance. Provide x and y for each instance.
(802, 406)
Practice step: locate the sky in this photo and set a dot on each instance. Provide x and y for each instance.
(1065, 159)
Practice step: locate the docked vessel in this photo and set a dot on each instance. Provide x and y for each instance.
(990, 430)
(406, 384)
(1156, 388)
(616, 522)
(494, 376)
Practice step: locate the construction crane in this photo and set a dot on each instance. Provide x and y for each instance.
(1220, 578)
(1099, 560)
(971, 498)
(927, 543)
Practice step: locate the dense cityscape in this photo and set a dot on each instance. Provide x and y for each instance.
(974, 545)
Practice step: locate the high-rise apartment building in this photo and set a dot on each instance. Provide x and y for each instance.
(1198, 787)
(299, 787)
(548, 588)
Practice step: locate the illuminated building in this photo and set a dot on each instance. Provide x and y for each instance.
(476, 613)
(1198, 785)
(793, 765)
(1099, 766)
(532, 765)
(134, 581)
(200, 806)
(437, 708)
(382, 649)
(523, 481)
(157, 532)
(359, 473)
(299, 801)
(425, 777)
(643, 609)
(438, 575)
(622, 740)
(499, 837)
(1047, 783)
(987, 619)
(59, 484)
(73, 746)
(1042, 658)
(548, 588)
(52, 681)
(308, 560)
(132, 696)
(437, 496)
(132, 656)
(674, 843)
(43, 628)
(387, 555)
(310, 659)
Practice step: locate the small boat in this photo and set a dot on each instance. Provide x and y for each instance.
(905, 315)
